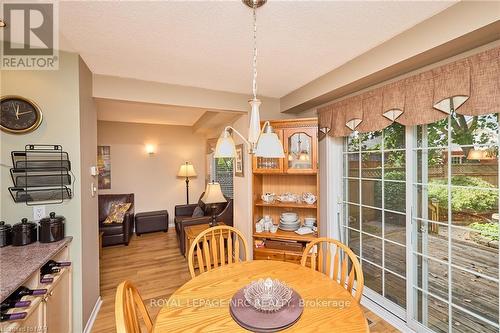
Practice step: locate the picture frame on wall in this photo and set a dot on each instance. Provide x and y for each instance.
(239, 161)
(104, 167)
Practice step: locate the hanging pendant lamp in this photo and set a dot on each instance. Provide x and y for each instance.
(261, 142)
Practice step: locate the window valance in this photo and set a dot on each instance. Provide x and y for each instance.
(469, 86)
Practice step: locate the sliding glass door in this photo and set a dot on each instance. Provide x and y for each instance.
(420, 210)
(455, 225)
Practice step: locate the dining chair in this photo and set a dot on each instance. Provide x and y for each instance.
(331, 257)
(216, 246)
(128, 305)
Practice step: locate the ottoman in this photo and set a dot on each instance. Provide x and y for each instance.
(151, 222)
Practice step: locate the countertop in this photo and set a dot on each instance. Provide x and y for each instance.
(17, 263)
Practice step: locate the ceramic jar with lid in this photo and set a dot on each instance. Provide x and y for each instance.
(5, 234)
(51, 228)
(24, 233)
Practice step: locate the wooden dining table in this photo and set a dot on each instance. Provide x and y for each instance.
(202, 304)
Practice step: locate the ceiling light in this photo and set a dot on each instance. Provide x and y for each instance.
(262, 143)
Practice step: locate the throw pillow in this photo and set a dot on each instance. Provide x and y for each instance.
(198, 211)
(117, 212)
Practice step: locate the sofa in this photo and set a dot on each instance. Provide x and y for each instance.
(116, 233)
(184, 217)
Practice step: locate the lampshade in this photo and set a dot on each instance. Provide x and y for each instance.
(186, 170)
(269, 144)
(225, 147)
(213, 194)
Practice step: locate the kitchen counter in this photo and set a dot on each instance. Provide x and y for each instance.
(18, 263)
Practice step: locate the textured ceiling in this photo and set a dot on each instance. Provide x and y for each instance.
(208, 44)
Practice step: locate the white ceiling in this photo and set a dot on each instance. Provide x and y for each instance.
(208, 44)
(144, 113)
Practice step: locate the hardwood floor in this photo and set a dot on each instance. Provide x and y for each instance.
(156, 267)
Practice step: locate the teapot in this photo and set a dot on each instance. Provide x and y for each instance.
(268, 197)
(309, 198)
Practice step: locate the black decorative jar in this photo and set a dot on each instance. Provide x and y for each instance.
(51, 228)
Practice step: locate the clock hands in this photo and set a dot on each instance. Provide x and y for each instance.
(16, 109)
(21, 113)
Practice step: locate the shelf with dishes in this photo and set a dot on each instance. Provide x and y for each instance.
(278, 204)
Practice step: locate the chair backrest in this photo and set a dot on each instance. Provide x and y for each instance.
(216, 246)
(128, 306)
(105, 201)
(331, 257)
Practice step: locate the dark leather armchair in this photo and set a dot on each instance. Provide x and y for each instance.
(184, 217)
(116, 233)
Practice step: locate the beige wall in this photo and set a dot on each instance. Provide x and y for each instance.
(153, 179)
(57, 94)
(89, 226)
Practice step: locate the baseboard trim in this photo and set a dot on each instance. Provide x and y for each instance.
(93, 316)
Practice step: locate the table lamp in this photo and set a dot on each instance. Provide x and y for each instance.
(213, 196)
(186, 171)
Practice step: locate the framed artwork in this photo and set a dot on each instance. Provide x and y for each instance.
(104, 167)
(238, 161)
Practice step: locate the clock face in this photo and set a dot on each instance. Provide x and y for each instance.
(19, 115)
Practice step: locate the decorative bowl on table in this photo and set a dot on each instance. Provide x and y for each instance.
(267, 295)
(266, 306)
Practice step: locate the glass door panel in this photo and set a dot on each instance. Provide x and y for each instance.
(455, 232)
(374, 210)
(300, 148)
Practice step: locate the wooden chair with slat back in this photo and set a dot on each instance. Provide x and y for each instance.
(216, 246)
(335, 263)
(128, 306)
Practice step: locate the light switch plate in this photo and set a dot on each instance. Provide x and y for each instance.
(38, 213)
(94, 171)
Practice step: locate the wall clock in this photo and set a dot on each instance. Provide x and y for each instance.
(19, 115)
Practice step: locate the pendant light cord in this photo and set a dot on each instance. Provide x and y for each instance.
(254, 85)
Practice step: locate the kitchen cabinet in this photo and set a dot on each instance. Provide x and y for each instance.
(57, 308)
(52, 312)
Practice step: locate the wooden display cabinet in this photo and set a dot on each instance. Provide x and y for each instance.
(296, 173)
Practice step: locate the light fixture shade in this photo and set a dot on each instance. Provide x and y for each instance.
(269, 146)
(254, 128)
(187, 170)
(213, 194)
(225, 147)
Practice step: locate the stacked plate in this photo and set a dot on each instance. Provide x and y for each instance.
(289, 221)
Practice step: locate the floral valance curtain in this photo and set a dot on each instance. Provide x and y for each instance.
(469, 86)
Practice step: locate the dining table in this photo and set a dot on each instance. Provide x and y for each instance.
(202, 304)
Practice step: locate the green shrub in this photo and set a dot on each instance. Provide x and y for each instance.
(464, 199)
(395, 193)
(488, 230)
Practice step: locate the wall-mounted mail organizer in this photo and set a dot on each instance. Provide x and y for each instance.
(41, 174)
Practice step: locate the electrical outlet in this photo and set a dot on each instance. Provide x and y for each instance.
(38, 213)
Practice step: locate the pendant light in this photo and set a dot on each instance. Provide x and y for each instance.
(261, 142)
